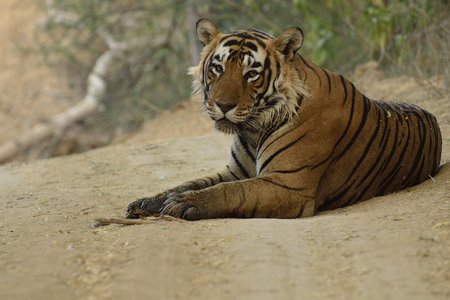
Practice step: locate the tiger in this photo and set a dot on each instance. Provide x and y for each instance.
(305, 139)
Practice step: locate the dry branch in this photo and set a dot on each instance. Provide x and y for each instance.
(60, 17)
(148, 220)
(96, 88)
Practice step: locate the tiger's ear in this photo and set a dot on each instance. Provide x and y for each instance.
(206, 31)
(289, 42)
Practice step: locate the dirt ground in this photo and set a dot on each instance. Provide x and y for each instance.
(391, 247)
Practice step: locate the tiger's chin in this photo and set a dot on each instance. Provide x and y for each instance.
(226, 126)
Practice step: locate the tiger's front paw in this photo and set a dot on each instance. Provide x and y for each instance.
(183, 206)
(144, 207)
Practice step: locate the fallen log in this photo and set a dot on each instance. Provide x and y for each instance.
(96, 89)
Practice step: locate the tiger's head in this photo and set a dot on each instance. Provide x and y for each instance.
(248, 77)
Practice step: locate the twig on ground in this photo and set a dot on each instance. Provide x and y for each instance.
(147, 220)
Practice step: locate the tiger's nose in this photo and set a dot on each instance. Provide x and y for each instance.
(225, 107)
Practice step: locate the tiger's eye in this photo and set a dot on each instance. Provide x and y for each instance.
(252, 73)
(219, 68)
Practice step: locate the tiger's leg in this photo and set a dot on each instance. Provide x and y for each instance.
(261, 197)
(151, 205)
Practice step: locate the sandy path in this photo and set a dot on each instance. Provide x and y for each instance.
(390, 247)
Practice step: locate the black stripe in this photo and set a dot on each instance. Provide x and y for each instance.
(314, 70)
(280, 185)
(254, 210)
(237, 38)
(345, 89)
(437, 144)
(293, 171)
(204, 67)
(261, 40)
(299, 102)
(376, 164)
(267, 77)
(220, 177)
(393, 149)
(270, 132)
(256, 64)
(369, 144)
(299, 71)
(386, 139)
(301, 211)
(349, 145)
(361, 159)
(241, 167)
(304, 61)
(419, 173)
(237, 34)
(264, 165)
(264, 137)
(246, 148)
(197, 186)
(394, 171)
(233, 43)
(260, 33)
(421, 133)
(363, 120)
(429, 125)
(251, 46)
(262, 43)
(211, 181)
(235, 177)
(329, 80)
(325, 204)
(346, 128)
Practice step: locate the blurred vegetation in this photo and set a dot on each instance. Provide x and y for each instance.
(409, 37)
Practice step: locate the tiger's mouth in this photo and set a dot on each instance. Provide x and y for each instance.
(226, 126)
